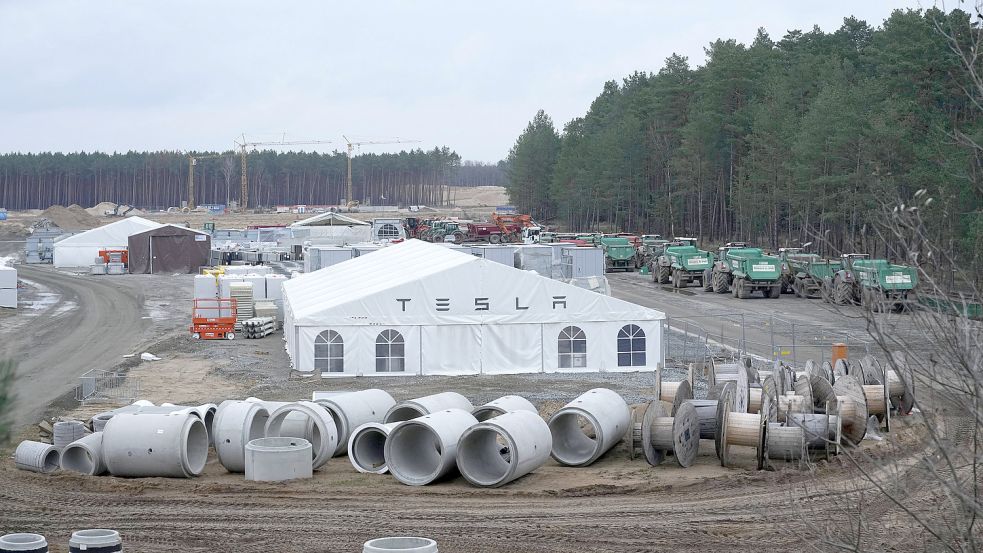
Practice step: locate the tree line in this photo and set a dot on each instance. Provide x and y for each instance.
(158, 180)
(781, 142)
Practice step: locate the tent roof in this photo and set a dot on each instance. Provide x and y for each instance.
(113, 234)
(329, 219)
(170, 226)
(364, 290)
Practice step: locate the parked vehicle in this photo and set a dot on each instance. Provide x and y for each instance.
(806, 274)
(618, 253)
(682, 262)
(743, 270)
(874, 283)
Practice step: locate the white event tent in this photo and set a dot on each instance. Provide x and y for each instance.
(419, 308)
(81, 249)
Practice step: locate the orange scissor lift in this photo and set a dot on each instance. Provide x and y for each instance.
(213, 319)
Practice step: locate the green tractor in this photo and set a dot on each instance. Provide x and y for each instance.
(439, 231)
(652, 247)
(806, 274)
(743, 270)
(618, 253)
(681, 261)
(874, 283)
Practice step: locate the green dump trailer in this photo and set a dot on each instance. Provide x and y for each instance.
(743, 270)
(874, 283)
(682, 262)
(618, 253)
(806, 274)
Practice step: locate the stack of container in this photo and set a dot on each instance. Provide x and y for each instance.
(8, 287)
(242, 292)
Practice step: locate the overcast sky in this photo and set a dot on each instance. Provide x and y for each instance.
(181, 75)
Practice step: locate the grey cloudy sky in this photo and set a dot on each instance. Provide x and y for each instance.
(193, 74)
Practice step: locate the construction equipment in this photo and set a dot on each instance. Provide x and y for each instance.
(618, 253)
(744, 270)
(242, 144)
(652, 246)
(352, 203)
(213, 319)
(192, 162)
(592, 238)
(115, 256)
(874, 283)
(806, 274)
(681, 261)
(440, 231)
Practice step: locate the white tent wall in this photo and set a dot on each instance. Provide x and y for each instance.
(81, 249)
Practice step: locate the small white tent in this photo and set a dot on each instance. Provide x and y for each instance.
(81, 249)
(420, 308)
(332, 228)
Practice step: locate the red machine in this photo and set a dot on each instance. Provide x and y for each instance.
(104, 254)
(213, 319)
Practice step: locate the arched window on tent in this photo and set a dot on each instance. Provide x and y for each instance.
(390, 352)
(329, 352)
(631, 346)
(388, 231)
(572, 348)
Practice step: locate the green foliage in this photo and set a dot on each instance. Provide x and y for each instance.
(779, 142)
(529, 167)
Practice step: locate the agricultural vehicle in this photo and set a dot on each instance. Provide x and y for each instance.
(445, 231)
(743, 270)
(548, 238)
(618, 253)
(682, 261)
(807, 274)
(652, 247)
(872, 282)
(592, 238)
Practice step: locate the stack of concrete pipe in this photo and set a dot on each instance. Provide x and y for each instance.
(96, 539)
(66, 432)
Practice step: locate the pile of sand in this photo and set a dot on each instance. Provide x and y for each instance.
(73, 217)
(100, 210)
(478, 196)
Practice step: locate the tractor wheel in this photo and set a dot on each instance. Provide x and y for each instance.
(459, 237)
(776, 292)
(742, 291)
(438, 238)
(664, 273)
(842, 293)
(707, 282)
(869, 300)
(733, 288)
(495, 238)
(720, 283)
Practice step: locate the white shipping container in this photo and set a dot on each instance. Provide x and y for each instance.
(206, 286)
(499, 254)
(274, 287)
(8, 297)
(8, 277)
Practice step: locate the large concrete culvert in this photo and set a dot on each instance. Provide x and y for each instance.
(588, 426)
(499, 450)
(424, 449)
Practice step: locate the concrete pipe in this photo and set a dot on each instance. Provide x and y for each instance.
(141, 445)
(96, 539)
(84, 456)
(236, 424)
(278, 459)
(502, 405)
(206, 412)
(320, 429)
(367, 447)
(353, 409)
(98, 422)
(34, 543)
(36, 457)
(588, 426)
(400, 545)
(66, 432)
(413, 408)
(296, 424)
(421, 450)
(499, 450)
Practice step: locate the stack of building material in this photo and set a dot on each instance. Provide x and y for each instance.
(98, 266)
(259, 327)
(66, 432)
(266, 308)
(115, 269)
(242, 292)
(274, 292)
(240, 270)
(259, 285)
(535, 258)
(8, 287)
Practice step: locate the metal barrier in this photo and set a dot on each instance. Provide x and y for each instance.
(97, 386)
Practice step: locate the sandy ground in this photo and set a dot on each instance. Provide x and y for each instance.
(614, 505)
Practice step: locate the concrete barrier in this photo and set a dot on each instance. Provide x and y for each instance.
(100, 540)
(588, 426)
(320, 430)
(413, 408)
(84, 456)
(484, 461)
(236, 424)
(421, 450)
(367, 447)
(502, 405)
(400, 545)
(278, 459)
(353, 409)
(34, 543)
(36, 457)
(141, 445)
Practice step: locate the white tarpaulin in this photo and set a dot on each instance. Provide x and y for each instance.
(453, 313)
(81, 249)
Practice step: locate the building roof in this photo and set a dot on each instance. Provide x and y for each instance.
(329, 220)
(416, 282)
(169, 228)
(111, 235)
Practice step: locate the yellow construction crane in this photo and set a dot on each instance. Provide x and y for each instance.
(352, 202)
(243, 146)
(192, 161)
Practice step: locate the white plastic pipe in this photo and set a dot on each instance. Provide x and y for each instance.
(421, 450)
(98, 539)
(36, 457)
(400, 545)
(367, 447)
(413, 408)
(604, 411)
(278, 459)
(320, 429)
(23, 542)
(141, 445)
(486, 462)
(502, 405)
(84, 456)
(353, 409)
(236, 424)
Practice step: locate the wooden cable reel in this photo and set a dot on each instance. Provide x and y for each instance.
(878, 403)
(901, 383)
(852, 405)
(826, 371)
(803, 387)
(822, 392)
(792, 403)
(769, 399)
(742, 429)
(822, 431)
(662, 434)
(674, 393)
(725, 398)
(784, 443)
